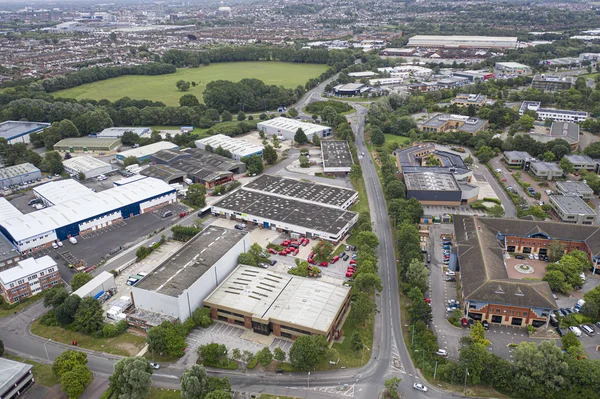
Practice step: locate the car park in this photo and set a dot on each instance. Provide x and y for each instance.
(419, 387)
(441, 352)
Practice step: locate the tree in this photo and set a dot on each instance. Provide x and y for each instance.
(182, 85)
(196, 195)
(226, 116)
(526, 122)
(67, 361)
(477, 334)
(366, 282)
(254, 164)
(246, 258)
(572, 344)
(496, 211)
(212, 353)
(2, 348)
(391, 386)
(300, 136)
(395, 189)
(593, 150)
(417, 275)
(52, 163)
(556, 250)
(79, 280)
(484, 154)
(566, 166)
(549, 156)
(316, 141)
(80, 176)
(328, 115)
(362, 308)
(194, 382)
(293, 112)
(279, 354)
(89, 317)
(269, 154)
(67, 129)
(322, 251)
(356, 341)
(241, 116)
(218, 395)
(468, 160)
(130, 160)
(377, 136)
(74, 382)
(355, 172)
(55, 297)
(538, 371)
(557, 281)
(188, 100)
(65, 312)
(264, 357)
(304, 353)
(419, 310)
(131, 378)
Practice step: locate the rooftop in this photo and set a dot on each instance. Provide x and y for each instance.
(119, 131)
(17, 170)
(287, 211)
(198, 169)
(510, 64)
(84, 163)
(469, 124)
(350, 87)
(168, 156)
(13, 129)
(550, 166)
(88, 142)
(580, 159)
(296, 189)
(176, 274)
(235, 146)
(410, 160)
(573, 187)
(291, 125)
(517, 155)
(216, 161)
(571, 204)
(11, 372)
(8, 210)
(430, 182)
(91, 285)
(59, 191)
(336, 154)
(148, 149)
(7, 249)
(280, 298)
(165, 173)
(26, 267)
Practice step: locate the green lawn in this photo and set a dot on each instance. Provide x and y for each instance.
(269, 396)
(123, 345)
(159, 393)
(401, 140)
(41, 372)
(348, 356)
(162, 87)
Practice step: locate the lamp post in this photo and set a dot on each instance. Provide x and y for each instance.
(46, 349)
(412, 341)
(435, 370)
(308, 380)
(466, 375)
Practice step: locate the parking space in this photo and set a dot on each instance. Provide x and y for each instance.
(98, 185)
(21, 202)
(221, 333)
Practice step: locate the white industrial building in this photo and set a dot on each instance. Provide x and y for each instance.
(97, 286)
(19, 131)
(89, 166)
(18, 174)
(59, 191)
(455, 41)
(559, 115)
(287, 128)
(337, 158)
(28, 278)
(365, 74)
(145, 153)
(178, 286)
(386, 81)
(71, 217)
(116, 132)
(237, 147)
(512, 68)
(406, 71)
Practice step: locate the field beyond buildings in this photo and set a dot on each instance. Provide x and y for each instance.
(162, 87)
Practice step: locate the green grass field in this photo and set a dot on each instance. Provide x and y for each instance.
(162, 87)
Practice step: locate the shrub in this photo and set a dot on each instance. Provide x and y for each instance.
(494, 200)
(49, 319)
(109, 331)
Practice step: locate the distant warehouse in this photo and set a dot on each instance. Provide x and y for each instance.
(89, 166)
(87, 144)
(238, 148)
(453, 41)
(18, 174)
(145, 153)
(337, 158)
(117, 132)
(287, 128)
(18, 132)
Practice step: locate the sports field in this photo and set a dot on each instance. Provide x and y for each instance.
(162, 87)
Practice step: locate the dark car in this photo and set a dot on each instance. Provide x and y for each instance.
(342, 255)
(450, 279)
(598, 324)
(273, 261)
(346, 258)
(519, 257)
(563, 311)
(279, 371)
(485, 324)
(568, 310)
(561, 331)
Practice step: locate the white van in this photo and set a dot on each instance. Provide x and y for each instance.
(575, 330)
(73, 240)
(587, 329)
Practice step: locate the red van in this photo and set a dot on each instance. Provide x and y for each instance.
(335, 259)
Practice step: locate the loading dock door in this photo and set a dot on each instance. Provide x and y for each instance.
(266, 225)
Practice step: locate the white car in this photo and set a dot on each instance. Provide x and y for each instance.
(530, 256)
(54, 245)
(73, 240)
(59, 243)
(441, 352)
(420, 387)
(536, 256)
(155, 366)
(498, 170)
(450, 273)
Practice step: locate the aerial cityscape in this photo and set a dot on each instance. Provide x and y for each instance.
(289, 199)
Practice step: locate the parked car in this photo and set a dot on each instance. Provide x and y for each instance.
(273, 262)
(576, 330)
(263, 265)
(450, 273)
(283, 253)
(169, 213)
(54, 245)
(485, 324)
(420, 387)
(324, 264)
(305, 242)
(335, 259)
(536, 256)
(561, 331)
(586, 328)
(346, 258)
(353, 262)
(441, 352)
(285, 243)
(450, 279)
(73, 240)
(155, 366)
(60, 244)
(272, 251)
(519, 257)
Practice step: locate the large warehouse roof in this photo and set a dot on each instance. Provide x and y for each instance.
(307, 191)
(57, 192)
(13, 129)
(428, 181)
(336, 154)
(288, 211)
(17, 170)
(84, 164)
(280, 298)
(462, 41)
(84, 208)
(291, 125)
(8, 210)
(177, 273)
(238, 147)
(148, 149)
(119, 131)
(88, 142)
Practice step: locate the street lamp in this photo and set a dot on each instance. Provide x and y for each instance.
(466, 375)
(308, 380)
(46, 349)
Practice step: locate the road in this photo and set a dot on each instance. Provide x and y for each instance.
(314, 94)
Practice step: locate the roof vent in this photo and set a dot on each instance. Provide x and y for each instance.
(519, 292)
(499, 290)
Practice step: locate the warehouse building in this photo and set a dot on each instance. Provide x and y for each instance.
(488, 292)
(117, 132)
(15, 378)
(517, 158)
(386, 81)
(144, 154)
(17, 174)
(365, 74)
(512, 68)
(567, 131)
(178, 285)
(28, 278)
(198, 172)
(293, 216)
(582, 162)
(331, 196)
(287, 306)
(546, 170)
(166, 157)
(87, 144)
(59, 191)
(9, 254)
(286, 128)
(350, 89)
(74, 216)
(578, 188)
(474, 76)
(18, 132)
(208, 159)
(337, 158)
(97, 286)
(439, 189)
(454, 41)
(8, 210)
(238, 148)
(552, 83)
(462, 123)
(89, 166)
(165, 173)
(559, 115)
(572, 209)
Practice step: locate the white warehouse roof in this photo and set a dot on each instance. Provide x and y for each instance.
(85, 164)
(291, 125)
(8, 210)
(238, 147)
(148, 149)
(83, 208)
(25, 268)
(57, 192)
(94, 283)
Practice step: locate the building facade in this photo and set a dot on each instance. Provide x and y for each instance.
(238, 148)
(286, 128)
(29, 278)
(17, 174)
(546, 170)
(572, 209)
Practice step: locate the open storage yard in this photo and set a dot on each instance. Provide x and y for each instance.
(162, 87)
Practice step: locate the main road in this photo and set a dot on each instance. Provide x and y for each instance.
(389, 355)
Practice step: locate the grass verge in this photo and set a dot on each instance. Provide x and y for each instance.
(348, 356)
(159, 393)
(123, 345)
(269, 396)
(41, 372)
(7, 310)
(230, 365)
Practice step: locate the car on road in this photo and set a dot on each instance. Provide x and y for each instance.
(420, 387)
(504, 179)
(498, 170)
(155, 366)
(441, 352)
